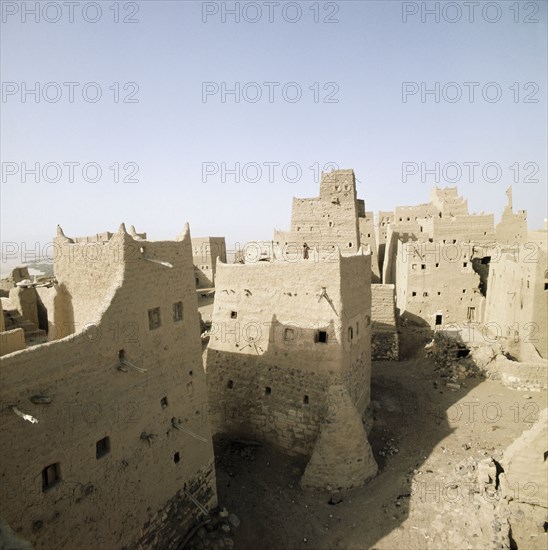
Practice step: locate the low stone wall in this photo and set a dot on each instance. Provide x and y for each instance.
(12, 340)
(522, 376)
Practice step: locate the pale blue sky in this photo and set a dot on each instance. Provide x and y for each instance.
(170, 132)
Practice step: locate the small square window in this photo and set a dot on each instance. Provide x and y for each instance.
(177, 457)
(102, 447)
(305, 400)
(423, 266)
(321, 337)
(267, 390)
(230, 384)
(289, 334)
(413, 293)
(465, 264)
(233, 314)
(178, 311)
(464, 291)
(437, 265)
(163, 402)
(51, 475)
(154, 318)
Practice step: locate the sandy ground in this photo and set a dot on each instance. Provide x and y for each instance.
(424, 438)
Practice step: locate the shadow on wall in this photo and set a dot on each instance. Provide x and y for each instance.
(412, 418)
(274, 385)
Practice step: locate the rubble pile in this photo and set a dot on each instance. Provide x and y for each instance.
(214, 533)
(453, 360)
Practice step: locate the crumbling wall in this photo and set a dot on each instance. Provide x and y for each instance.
(25, 302)
(512, 228)
(516, 303)
(16, 275)
(125, 378)
(524, 485)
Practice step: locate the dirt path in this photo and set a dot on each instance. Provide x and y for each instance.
(426, 439)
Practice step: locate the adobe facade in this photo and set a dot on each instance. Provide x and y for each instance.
(445, 220)
(289, 347)
(109, 445)
(437, 284)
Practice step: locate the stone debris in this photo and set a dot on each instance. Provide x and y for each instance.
(215, 533)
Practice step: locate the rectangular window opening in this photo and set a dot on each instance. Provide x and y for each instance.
(163, 402)
(178, 311)
(471, 315)
(51, 475)
(233, 314)
(102, 447)
(321, 337)
(267, 390)
(439, 319)
(154, 318)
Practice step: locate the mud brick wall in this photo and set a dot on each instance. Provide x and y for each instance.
(102, 494)
(267, 370)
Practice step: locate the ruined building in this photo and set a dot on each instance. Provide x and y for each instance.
(517, 296)
(512, 228)
(205, 251)
(108, 442)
